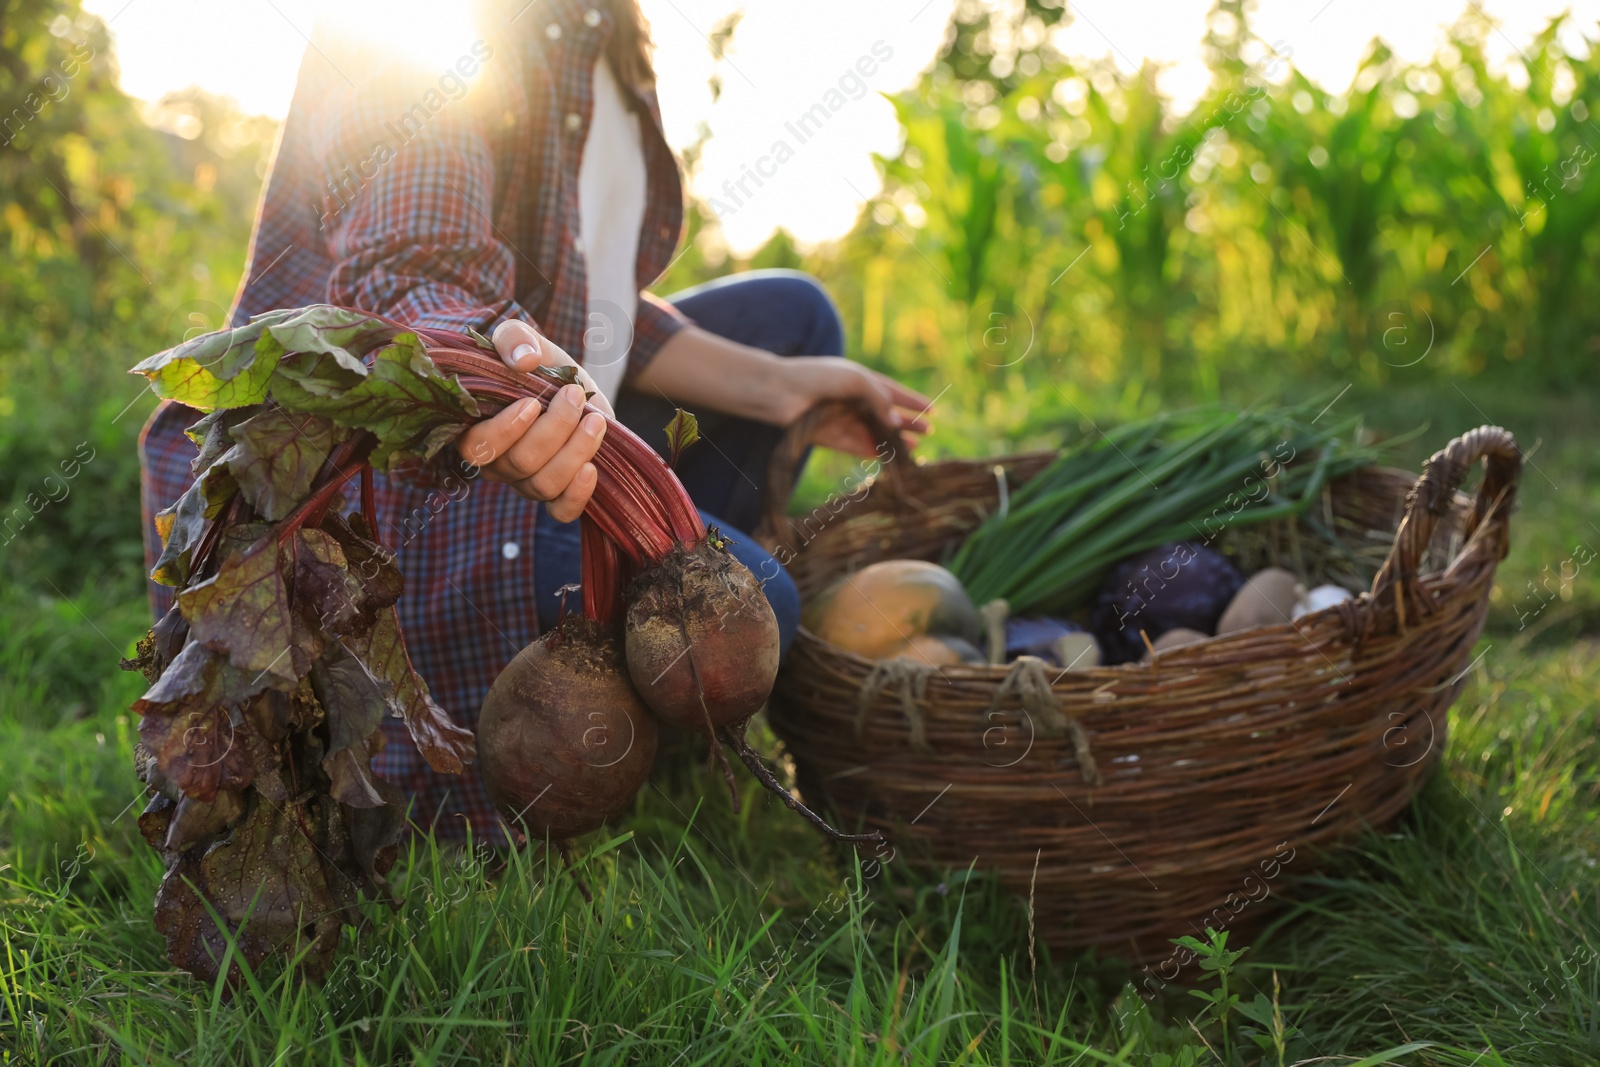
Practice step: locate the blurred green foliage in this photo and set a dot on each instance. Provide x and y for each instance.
(1053, 236)
(123, 228)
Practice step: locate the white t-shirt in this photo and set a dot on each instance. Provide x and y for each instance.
(611, 192)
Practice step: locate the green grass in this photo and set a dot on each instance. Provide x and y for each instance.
(1472, 925)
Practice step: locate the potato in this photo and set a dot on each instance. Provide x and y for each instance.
(1176, 639)
(1078, 652)
(1267, 599)
(1323, 596)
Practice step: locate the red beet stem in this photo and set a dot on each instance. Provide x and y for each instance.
(620, 503)
(209, 540)
(369, 500)
(348, 460)
(734, 738)
(653, 504)
(602, 586)
(638, 504)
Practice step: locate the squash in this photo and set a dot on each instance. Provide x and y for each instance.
(878, 609)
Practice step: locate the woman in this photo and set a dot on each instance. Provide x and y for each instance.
(534, 208)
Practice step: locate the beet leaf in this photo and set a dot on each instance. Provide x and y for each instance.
(271, 675)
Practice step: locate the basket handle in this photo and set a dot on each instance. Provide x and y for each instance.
(1430, 499)
(783, 468)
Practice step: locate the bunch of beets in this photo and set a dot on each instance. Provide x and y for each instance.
(271, 673)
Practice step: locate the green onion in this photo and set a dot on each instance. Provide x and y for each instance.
(1179, 476)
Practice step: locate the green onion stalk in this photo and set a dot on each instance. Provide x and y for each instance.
(1182, 476)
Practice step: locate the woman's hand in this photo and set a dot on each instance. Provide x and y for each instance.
(806, 380)
(544, 454)
(698, 369)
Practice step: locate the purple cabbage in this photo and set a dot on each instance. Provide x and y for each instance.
(1182, 584)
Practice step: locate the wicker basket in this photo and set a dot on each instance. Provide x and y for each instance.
(1142, 802)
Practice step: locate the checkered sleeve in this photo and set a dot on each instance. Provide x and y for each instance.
(655, 322)
(409, 223)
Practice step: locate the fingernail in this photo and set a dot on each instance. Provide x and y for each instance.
(594, 424)
(896, 419)
(521, 352)
(527, 408)
(572, 397)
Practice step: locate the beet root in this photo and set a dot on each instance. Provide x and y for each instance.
(702, 641)
(733, 737)
(564, 741)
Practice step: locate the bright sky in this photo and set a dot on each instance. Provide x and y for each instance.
(785, 56)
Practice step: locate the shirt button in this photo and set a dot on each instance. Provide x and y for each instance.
(591, 17)
(574, 120)
(577, 245)
(553, 31)
(510, 550)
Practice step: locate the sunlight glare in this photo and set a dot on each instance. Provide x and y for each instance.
(429, 33)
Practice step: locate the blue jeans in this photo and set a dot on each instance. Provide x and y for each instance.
(782, 311)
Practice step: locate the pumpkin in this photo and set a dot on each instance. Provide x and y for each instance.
(878, 609)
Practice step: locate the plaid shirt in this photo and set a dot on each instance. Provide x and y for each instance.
(394, 195)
